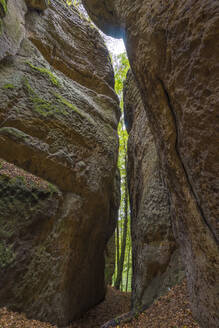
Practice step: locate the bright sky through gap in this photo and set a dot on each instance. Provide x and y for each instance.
(116, 46)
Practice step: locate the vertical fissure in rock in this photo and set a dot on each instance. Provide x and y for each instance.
(183, 166)
(157, 265)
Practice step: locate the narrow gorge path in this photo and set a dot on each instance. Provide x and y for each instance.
(169, 311)
(116, 303)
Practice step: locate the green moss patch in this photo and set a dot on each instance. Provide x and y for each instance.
(8, 86)
(3, 8)
(16, 177)
(57, 106)
(6, 255)
(46, 72)
(67, 103)
(42, 106)
(20, 198)
(72, 107)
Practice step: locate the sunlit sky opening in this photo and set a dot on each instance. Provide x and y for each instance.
(116, 46)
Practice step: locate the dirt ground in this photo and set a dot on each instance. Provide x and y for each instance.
(169, 311)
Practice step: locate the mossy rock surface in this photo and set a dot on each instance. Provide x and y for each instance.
(53, 116)
(60, 125)
(177, 75)
(23, 199)
(28, 207)
(3, 8)
(6, 255)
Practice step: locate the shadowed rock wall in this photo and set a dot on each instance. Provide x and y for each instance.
(173, 48)
(157, 264)
(58, 144)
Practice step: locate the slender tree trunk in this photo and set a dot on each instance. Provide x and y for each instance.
(117, 249)
(124, 237)
(127, 276)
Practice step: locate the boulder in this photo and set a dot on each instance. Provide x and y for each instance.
(156, 260)
(173, 51)
(61, 134)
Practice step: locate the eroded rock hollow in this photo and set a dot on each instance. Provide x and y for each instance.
(173, 48)
(59, 194)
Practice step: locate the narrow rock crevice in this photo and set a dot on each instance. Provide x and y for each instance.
(183, 166)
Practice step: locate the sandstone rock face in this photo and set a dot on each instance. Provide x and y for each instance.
(37, 4)
(110, 248)
(12, 29)
(110, 256)
(53, 32)
(157, 264)
(173, 50)
(58, 182)
(3, 8)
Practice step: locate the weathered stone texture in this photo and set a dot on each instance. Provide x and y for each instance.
(37, 4)
(173, 47)
(156, 261)
(110, 256)
(110, 248)
(62, 43)
(12, 29)
(64, 132)
(3, 8)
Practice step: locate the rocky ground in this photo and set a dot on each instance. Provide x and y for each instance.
(170, 311)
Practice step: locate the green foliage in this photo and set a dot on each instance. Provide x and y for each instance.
(3, 3)
(121, 66)
(73, 2)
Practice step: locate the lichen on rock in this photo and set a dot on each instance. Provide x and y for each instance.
(59, 126)
(47, 72)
